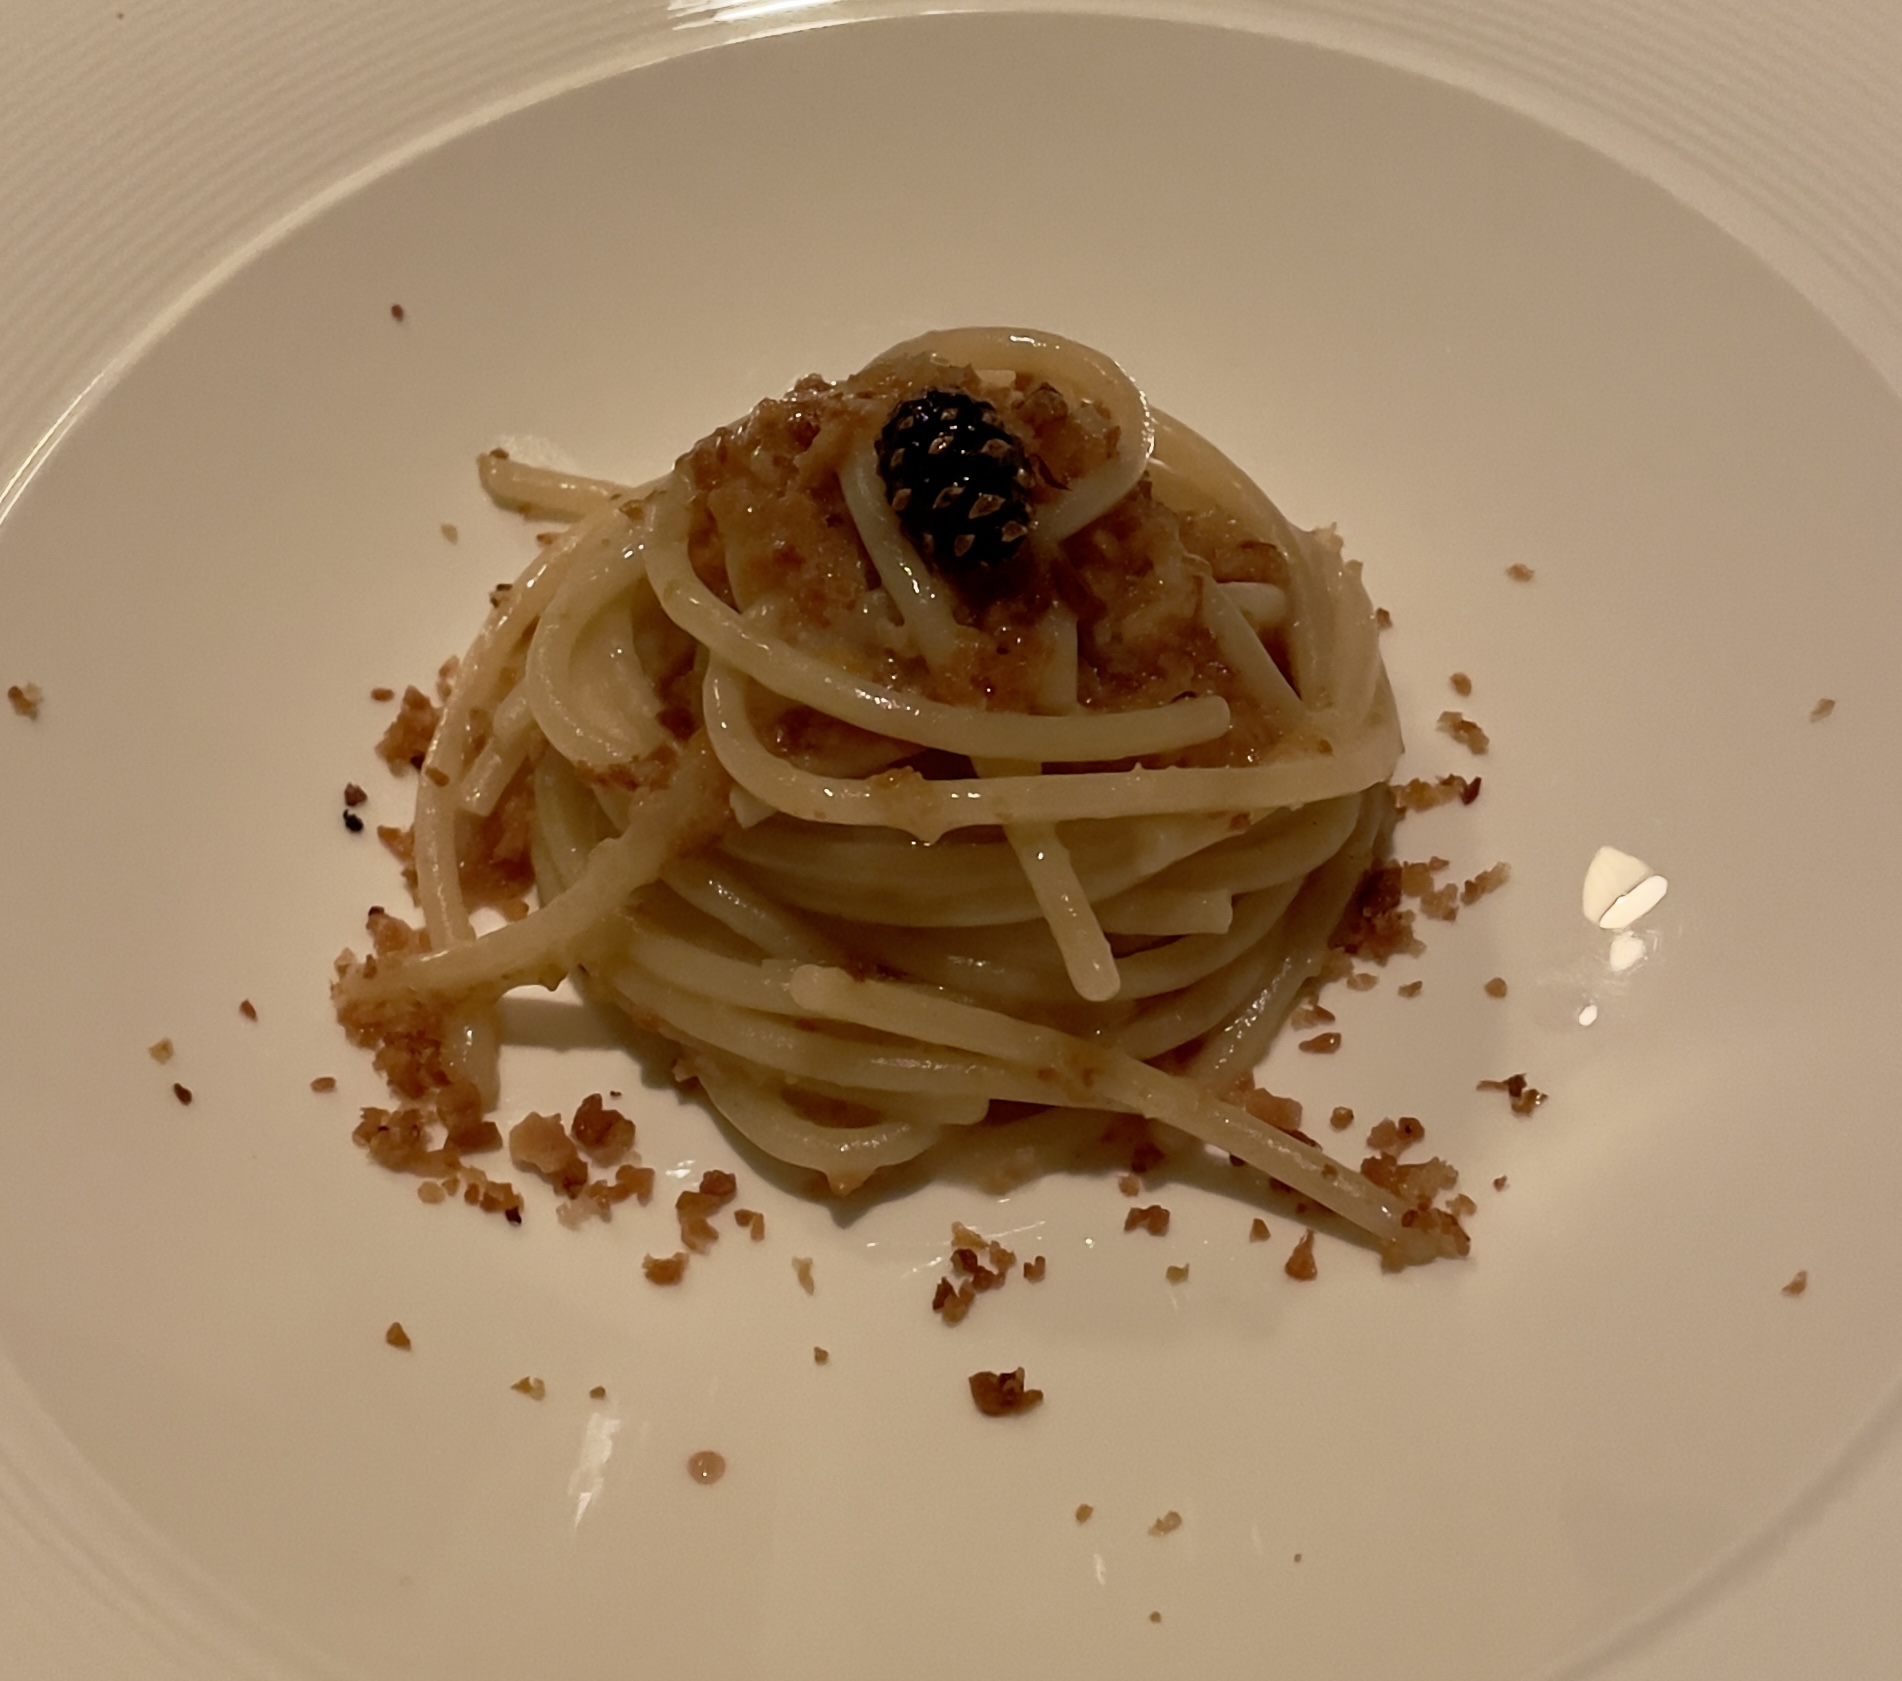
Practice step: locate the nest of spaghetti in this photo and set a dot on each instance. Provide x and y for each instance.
(891, 839)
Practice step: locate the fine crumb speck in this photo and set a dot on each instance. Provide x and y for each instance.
(1258, 1230)
(247, 1009)
(1822, 709)
(1154, 1220)
(160, 1050)
(1300, 1264)
(324, 1082)
(1463, 730)
(1155, 1616)
(1496, 987)
(1130, 1185)
(1500, 1183)
(382, 694)
(532, 1387)
(1462, 684)
(26, 699)
(1519, 572)
(1297, 1558)
(182, 1093)
(598, 1393)
(1167, 1524)
(1035, 1267)
(1342, 1118)
(1177, 1275)
(450, 534)
(664, 1269)
(396, 1336)
(1383, 619)
(802, 1270)
(1411, 989)
(1797, 1285)
(1085, 1512)
(999, 1394)
(1322, 1044)
(820, 1355)
(396, 312)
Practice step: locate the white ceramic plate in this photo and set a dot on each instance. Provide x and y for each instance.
(1469, 342)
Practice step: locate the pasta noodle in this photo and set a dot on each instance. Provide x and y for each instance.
(960, 739)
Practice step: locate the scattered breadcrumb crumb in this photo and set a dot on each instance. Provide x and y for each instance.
(1155, 1616)
(1362, 980)
(431, 1192)
(1034, 1268)
(696, 1209)
(664, 1270)
(353, 794)
(1383, 619)
(450, 533)
(998, 1394)
(1524, 1098)
(706, 1466)
(247, 1009)
(1487, 881)
(1322, 1044)
(532, 1387)
(1258, 1230)
(1519, 572)
(1167, 1524)
(1463, 730)
(1496, 987)
(802, 1270)
(26, 699)
(598, 1393)
(182, 1093)
(160, 1050)
(751, 1220)
(1085, 1512)
(1154, 1220)
(1411, 989)
(820, 1355)
(1297, 1558)
(324, 1082)
(396, 312)
(1499, 1184)
(1797, 1285)
(1130, 1185)
(379, 693)
(1300, 1264)
(1822, 709)
(1462, 684)
(1177, 1275)
(396, 1336)
(1398, 1136)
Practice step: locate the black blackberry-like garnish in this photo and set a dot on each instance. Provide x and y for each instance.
(959, 482)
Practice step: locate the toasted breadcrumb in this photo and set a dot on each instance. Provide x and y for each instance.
(696, 1209)
(1322, 1044)
(1487, 881)
(1362, 980)
(396, 1336)
(752, 1221)
(1154, 1220)
(1342, 1118)
(381, 694)
(1822, 709)
(1496, 987)
(353, 795)
(431, 1192)
(1397, 1136)
(1524, 1098)
(1422, 795)
(449, 533)
(1463, 730)
(999, 1394)
(407, 739)
(664, 1270)
(1035, 1267)
(1155, 1616)
(1411, 989)
(1177, 1275)
(605, 1134)
(1085, 1512)
(532, 1387)
(182, 1093)
(324, 1082)
(1258, 1230)
(1519, 572)
(1383, 619)
(160, 1050)
(1500, 1183)
(820, 1355)
(26, 699)
(1797, 1285)
(247, 1009)
(598, 1392)
(1167, 1524)
(396, 312)
(802, 1270)
(1462, 684)
(1130, 1185)
(1300, 1264)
